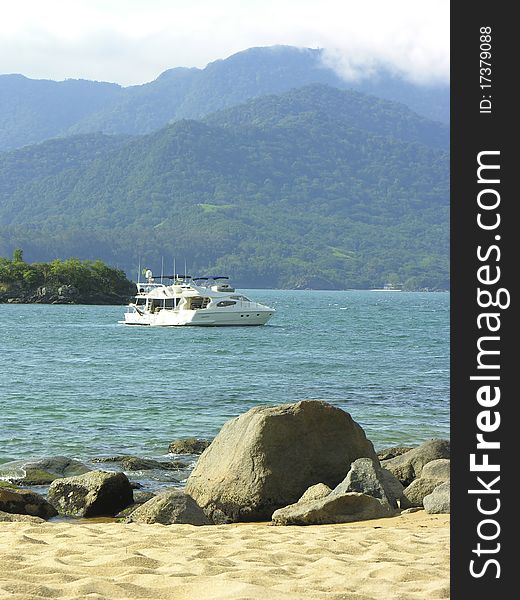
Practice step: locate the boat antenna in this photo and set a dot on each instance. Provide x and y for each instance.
(162, 268)
(139, 272)
(185, 269)
(174, 271)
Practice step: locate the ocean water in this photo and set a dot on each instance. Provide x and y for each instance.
(75, 382)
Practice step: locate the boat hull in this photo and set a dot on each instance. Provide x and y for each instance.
(199, 318)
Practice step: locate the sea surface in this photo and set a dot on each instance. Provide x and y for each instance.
(75, 382)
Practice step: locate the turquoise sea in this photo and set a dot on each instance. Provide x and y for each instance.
(74, 382)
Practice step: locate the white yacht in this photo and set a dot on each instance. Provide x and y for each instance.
(203, 301)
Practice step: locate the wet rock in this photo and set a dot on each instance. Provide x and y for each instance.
(45, 470)
(188, 446)
(267, 457)
(169, 508)
(408, 466)
(334, 508)
(25, 502)
(135, 463)
(96, 493)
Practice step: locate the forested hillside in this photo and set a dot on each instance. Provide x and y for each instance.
(35, 110)
(313, 188)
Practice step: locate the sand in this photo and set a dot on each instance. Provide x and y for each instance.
(400, 558)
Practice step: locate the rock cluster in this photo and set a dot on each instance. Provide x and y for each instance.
(267, 457)
(295, 464)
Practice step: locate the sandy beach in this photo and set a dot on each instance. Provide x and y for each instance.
(398, 558)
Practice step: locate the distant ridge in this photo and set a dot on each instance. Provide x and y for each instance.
(32, 111)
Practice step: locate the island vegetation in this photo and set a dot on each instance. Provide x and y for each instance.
(314, 188)
(70, 281)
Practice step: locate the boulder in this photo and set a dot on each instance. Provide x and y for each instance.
(408, 466)
(432, 475)
(45, 470)
(13, 518)
(366, 476)
(169, 508)
(93, 494)
(139, 499)
(188, 446)
(437, 469)
(267, 457)
(315, 492)
(334, 508)
(438, 502)
(392, 452)
(25, 502)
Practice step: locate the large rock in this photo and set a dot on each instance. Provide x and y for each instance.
(432, 475)
(267, 457)
(437, 469)
(439, 500)
(408, 466)
(188, 446)
(93, 494)
(168, 508)
(334, 508)
(25, 502)
(366, 476)
(45, 470)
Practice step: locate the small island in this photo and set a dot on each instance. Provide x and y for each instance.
(70, 281)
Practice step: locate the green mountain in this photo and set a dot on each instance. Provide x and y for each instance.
(34, 110)
(316, 187)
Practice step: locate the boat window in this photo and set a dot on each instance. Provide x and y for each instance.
(171, 302)
(243, 298)
(140, 301)
(226, 303)
(199, 302)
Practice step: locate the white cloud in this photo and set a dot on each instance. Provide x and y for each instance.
(132, 41)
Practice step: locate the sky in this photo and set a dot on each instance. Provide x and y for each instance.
(132, 41)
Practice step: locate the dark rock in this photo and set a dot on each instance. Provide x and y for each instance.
(408, 466)
(93, 494)
(135, 463)
(334, 508)
(25, 502)
(169, 508)
(266, 458)
(438, 502)
(188, 446)
(387, 453)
